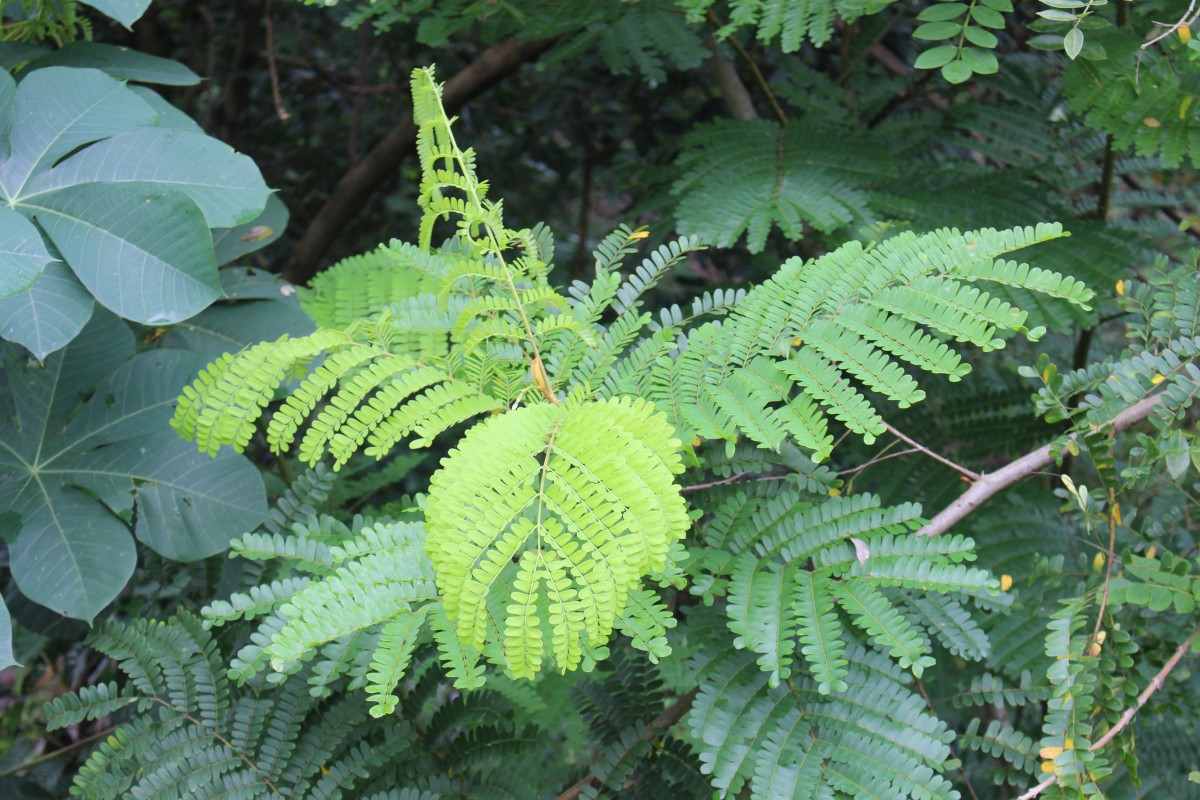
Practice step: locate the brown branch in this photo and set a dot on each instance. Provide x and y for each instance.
(273, 68)
(733, 90)
(935, 456)
(1155, 684)
(379, 165)
(1023, 467)
(759, 79)
(662, 723)
(696, 487)
(62, 751)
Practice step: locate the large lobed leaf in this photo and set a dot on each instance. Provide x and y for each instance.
(124, 194)
(85, 448)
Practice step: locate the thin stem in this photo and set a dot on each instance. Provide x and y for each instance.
(962, 770)
(974, 476)
(1155, 684)
(876, 460)
(1028, 464)
(695, 487)
(759, 79)
(1106, 179)
(662, 723)
(273, 69)
(1114, 512)
(212, 733)
(537, 364)
(62, 751)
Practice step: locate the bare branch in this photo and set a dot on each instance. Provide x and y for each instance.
(935, 456)
(1023, 467)
(1155, 684)
(663, 722)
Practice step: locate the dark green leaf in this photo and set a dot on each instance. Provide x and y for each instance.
(119, 62)
(47, 315)
(147, 256)
(226, 186)
(87, 106)
(23, 255)
(73, 471)
(6, 652)
(233, 243)
(125, 12)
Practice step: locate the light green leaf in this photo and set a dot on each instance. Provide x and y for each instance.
(47, 315)
(1056, 15)
(125, 12)
(939, 12)
(933, 31)
(989, 18)
(981, 62)
(147, 256)
(956, 72)
(980, 36)
(23, 255)
(1073, 43)
(936, 57)
(119, 62)
(226, 186)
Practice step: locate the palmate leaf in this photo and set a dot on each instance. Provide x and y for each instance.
(76, 472)
(583, 497)
(126, 202)
(121, 63)
(125, 12)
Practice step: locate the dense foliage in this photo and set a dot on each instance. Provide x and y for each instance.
(706, 507)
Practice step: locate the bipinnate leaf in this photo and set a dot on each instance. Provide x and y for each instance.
(569, 506)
